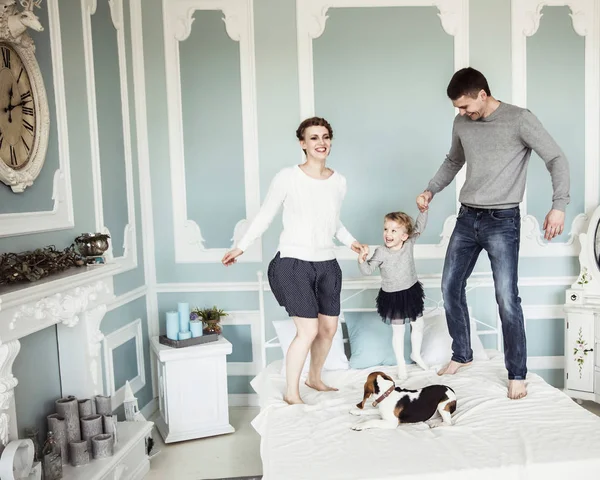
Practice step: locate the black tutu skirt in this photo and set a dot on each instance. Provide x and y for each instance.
(403, 306)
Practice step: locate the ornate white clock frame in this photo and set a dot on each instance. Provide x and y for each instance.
(582, 326)
(13, 26)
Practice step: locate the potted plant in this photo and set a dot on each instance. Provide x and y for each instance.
(211, 318)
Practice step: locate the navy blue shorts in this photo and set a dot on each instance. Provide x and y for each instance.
(304, 288)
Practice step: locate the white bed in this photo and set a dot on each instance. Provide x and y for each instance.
(543, 436)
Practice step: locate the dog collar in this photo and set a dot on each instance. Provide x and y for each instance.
(384, 396)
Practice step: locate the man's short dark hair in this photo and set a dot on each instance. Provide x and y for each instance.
(467, 81)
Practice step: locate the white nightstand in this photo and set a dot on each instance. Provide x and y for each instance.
(192, 390)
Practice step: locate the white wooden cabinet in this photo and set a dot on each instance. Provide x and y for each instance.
(582, 346)
(192, 390)
(582, 326)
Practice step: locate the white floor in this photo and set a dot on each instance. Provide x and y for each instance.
(233, 455)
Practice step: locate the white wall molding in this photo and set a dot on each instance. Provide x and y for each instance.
(311, 18)
(145, 178)
(525, 21)
(239, 23)
(127, 297)
(359, 283)
(128, 260)
(546, 363)
(543, 312)
(61, 215)
(244, 400)
(252, 318)
(111, 342)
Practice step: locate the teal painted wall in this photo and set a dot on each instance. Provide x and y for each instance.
(392, 125)
(36, 366)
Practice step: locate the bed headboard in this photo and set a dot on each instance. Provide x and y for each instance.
(354, 287)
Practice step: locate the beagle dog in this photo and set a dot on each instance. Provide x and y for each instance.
(397, 405)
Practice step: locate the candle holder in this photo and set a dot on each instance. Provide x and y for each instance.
(79, 453)
(102, 446)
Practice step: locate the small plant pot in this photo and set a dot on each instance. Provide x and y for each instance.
(212, 326)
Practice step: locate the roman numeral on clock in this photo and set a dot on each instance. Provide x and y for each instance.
(28, 111)
(26, 97)
(25, 143)
(6, 57)
(13, 156)
(28, 125)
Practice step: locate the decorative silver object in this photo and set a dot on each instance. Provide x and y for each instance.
(92, 246)
(90, 427)
(103, 405)
(110, 426)
(79, 453)
(102, 446)
(85, 407)
(69, 410)
(58, 426)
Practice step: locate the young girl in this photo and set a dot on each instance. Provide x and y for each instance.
(304, 276)
(401, 295)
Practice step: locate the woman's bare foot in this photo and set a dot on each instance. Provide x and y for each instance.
(320, 386)
(293, 400)
(452, 368)
(516, 389)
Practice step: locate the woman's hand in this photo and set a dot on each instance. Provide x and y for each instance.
(360, 248)
(231, 256)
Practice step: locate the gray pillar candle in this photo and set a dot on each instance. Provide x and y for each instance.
(90, 427)
(79, 453)
(110, 426)
(85, 407)
(102, 446)
(58, 426)
(103, 405)
(69, 410)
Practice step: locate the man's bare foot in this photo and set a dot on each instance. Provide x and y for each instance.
(293, 400)
(452, 368)
(516, 389)
(320, 386)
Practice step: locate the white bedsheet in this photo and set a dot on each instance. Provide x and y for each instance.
(544, 436)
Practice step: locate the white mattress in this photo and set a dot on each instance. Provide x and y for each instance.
(544, 436)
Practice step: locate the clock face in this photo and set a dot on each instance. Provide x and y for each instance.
(17, 110)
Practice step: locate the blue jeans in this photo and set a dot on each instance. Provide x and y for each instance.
(498, 233)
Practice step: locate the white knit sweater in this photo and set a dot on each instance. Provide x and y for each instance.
(311, 215)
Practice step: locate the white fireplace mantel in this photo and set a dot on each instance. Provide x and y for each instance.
(75, 301)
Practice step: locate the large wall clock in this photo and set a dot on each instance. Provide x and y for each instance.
(24, 118)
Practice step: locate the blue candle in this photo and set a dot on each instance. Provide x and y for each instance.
(172, 325)
(185, 335)
(184, 316)
(196, 328)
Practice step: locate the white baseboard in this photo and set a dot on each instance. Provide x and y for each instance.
(243, 400)
(150, 409)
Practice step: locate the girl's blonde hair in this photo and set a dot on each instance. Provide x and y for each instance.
(402, 219)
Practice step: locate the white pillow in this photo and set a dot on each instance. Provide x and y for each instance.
(436, 349)
(336, 358)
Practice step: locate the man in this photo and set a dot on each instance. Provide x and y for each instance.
(495, 140)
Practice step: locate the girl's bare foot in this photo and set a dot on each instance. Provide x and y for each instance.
(293, 400)
(516, 389)
(320, 386)
(452, 368)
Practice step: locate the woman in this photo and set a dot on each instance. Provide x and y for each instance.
(304, 276)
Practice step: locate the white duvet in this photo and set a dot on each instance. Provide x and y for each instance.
(541, 437)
